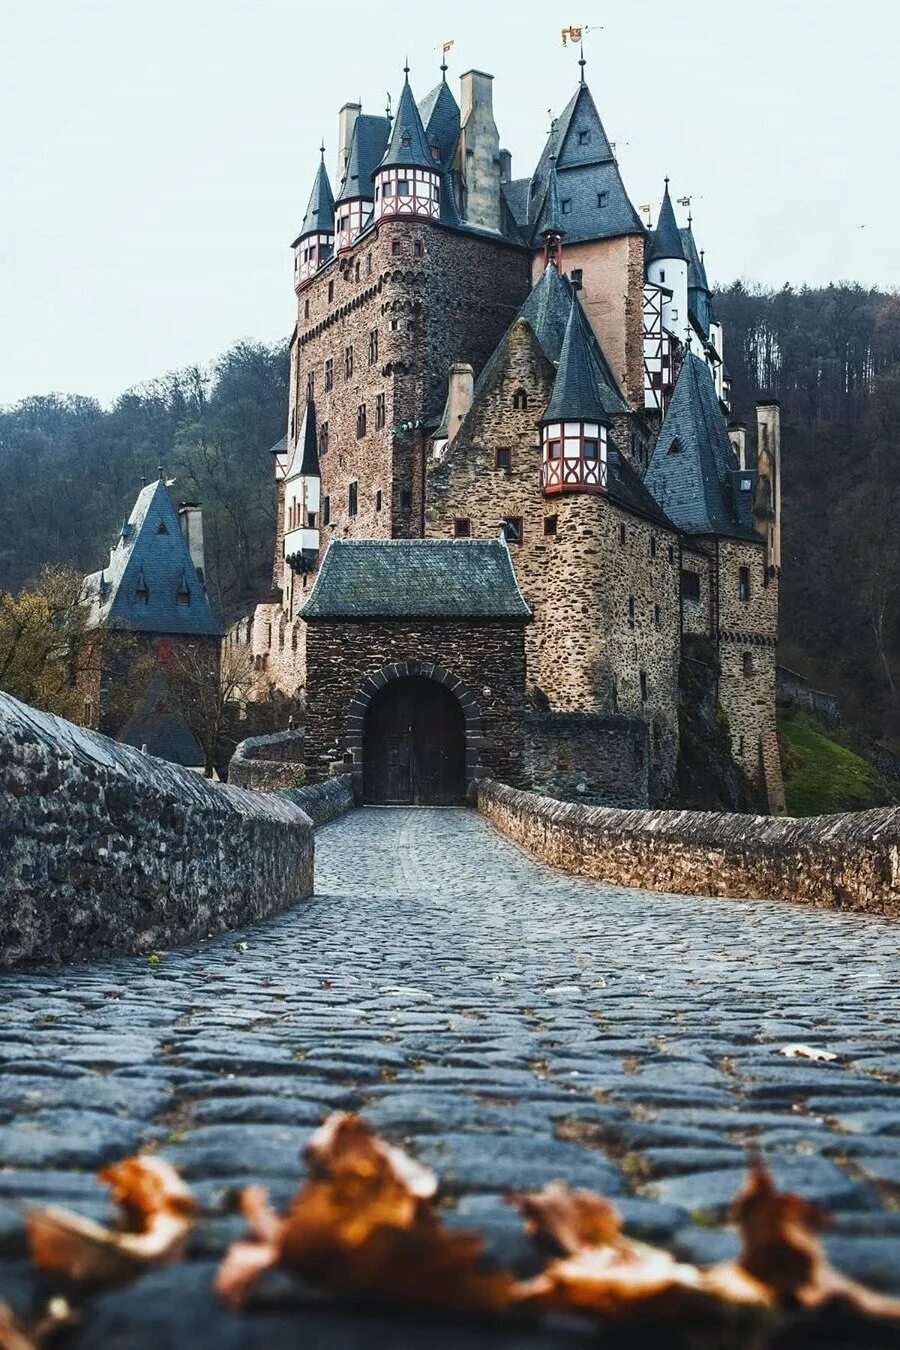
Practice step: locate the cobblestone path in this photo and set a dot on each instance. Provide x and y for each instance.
(508, 1023)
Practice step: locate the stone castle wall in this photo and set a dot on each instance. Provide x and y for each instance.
(269, 763)
(587, 757)
(747, 636)
(106, 850)
(849, 862)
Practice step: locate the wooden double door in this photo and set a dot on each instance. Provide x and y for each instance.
(414, 746)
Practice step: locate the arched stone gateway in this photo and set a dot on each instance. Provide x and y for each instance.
(414, 732)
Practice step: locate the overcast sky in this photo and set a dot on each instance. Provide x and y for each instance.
(156, 155)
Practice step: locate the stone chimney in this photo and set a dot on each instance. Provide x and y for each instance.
(505, 166)
(459, 397)
(346, 122)
(190, 518)
(737, 434)
(479, 151)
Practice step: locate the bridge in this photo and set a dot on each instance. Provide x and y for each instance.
(507, 1022)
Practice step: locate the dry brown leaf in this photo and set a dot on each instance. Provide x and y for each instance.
(364, 1226)
(158, 1212)
(572, 1219)
(11, 1335)
(780, 1247)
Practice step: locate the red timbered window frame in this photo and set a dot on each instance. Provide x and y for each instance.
(585, 471)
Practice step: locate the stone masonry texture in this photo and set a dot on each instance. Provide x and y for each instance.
(506, 1023)
(484, 659)
(104, 849)
(849, 862)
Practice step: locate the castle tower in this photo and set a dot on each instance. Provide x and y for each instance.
(408, 179)
(356, 197)
(301, 498)
(667, 267)
(574, 425)
(314, 244)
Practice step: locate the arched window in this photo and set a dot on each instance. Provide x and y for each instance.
(520, 399)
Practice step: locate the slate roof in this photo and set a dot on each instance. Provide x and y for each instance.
(586, 171)
(408, 126)
(319, 218)
(150, 552)
(305, 460)
(698, 485)
(440, 117)
(551, 220)
(696, 270)
(367, 146)
(158, 724)
(666, 241)
(576, 390)
(700, 307)
(416, 578)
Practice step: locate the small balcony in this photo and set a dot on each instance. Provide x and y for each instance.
(301, 549)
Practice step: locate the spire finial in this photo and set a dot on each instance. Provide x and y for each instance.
(160, 472)
(406, 69)
(667, 182)
(581, 61)
(388, 111)
(322, 149)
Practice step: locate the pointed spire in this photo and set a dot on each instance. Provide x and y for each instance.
(667, 242)
(576, 394)
(319, 217)
(581, 61)
(408, 145)
(309, 441)
(551, 216)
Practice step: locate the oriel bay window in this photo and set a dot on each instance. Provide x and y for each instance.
(574, 457)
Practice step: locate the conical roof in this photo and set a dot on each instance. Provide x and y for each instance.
(696, 270)
(319, 218)
(367, 143)
(576, 395)
(693, 472)
(666, 241)
(305, 460)
(408, 146)
(550, 221)
(440, 118)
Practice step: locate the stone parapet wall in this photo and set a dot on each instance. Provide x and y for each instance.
(269, 763)
(849, 862)
(105, 850)
(324, 802)
(593, 758)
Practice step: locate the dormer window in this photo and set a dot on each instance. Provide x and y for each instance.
(405, 139)
(520, 400)
(676, 448)
(602, 199)
(184, 596)
(584, 138)
(161, 528)
(567, 206)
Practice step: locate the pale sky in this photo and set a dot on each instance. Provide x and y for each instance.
(156, 155)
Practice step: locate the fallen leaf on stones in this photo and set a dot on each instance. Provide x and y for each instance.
(613, 1276)
(780, 1247)
(364, 1225)
(158, 1211)
(806, 1052)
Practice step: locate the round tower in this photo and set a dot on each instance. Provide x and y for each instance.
(667, 267)
(575, 425)
(408, 179)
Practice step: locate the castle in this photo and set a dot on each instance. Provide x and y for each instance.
(478, 355)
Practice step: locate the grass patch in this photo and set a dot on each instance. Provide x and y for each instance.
(821, 776)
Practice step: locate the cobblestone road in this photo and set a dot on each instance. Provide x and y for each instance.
(506, 1022)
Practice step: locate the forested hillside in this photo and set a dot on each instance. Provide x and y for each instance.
(69, 470)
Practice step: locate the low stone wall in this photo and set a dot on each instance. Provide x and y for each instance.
(840, 862)
(793, 691)
(106, 850)
(324, 802)
(269, 763)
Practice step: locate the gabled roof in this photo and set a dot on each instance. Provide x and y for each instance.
(367, 146)
(576, 391)
(319, 218)
(666, 241)
(416, 578)
(150, 554)
(440, 117)
(158, 724)
(408, 146)
(305, 460)
(588, 176)
(693, 473)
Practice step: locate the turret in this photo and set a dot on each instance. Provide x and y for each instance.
(667, 266)
(314, 244)
(353, 207)
(551, 226)
(301, 498)
(408, 179)
(575, 424)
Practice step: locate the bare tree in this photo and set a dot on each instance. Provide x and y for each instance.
(209, 693)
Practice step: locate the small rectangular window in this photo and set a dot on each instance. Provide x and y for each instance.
(405, 499)
(326, 510)
(644, 686)
(418, 248)
(690, 585)
(395, 325)
(584, 138)
(503, 458)
(348, 361)
(329, 374)
(396, 249)
(330, 291)
(462, 527)
(352, 496)
(602, 199)
(378, 500)
(567, 206)
(744, 584)
(653, 546)
(631, 611)
(512, 529)
(380, 411)
(550, 525)
(622, 535)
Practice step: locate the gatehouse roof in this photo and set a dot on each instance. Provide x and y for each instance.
(416, 579)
